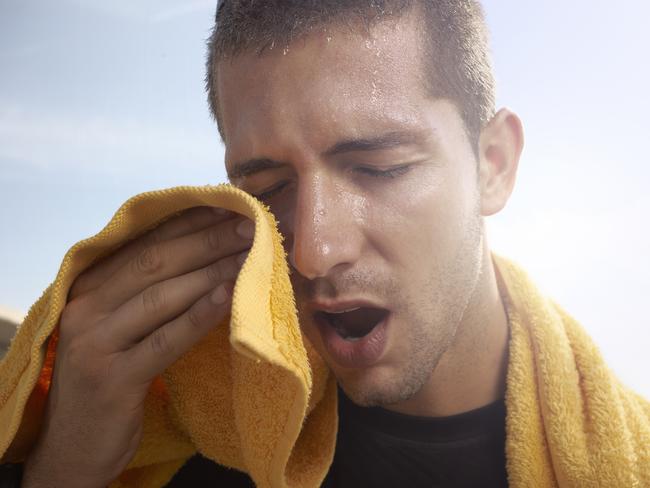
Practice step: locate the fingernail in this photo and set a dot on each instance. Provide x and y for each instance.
(219, 211)
(220, 295)
(246, 229)
(242, 257)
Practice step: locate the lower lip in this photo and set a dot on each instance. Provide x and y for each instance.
(361, 353)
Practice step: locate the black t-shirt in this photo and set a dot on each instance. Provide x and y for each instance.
(378, 448)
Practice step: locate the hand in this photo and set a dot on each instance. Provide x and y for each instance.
(127, 319)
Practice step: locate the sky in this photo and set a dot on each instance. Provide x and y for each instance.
(103, 100)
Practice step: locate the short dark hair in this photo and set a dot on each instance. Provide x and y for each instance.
(459, 67)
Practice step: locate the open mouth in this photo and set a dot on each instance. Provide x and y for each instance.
(353, 324)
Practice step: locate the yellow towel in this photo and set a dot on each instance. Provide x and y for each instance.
(255, 397)
(569, 421)
(251, 396)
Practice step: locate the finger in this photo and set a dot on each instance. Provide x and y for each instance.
(188, 222)
(172, 258)
(164, 301)
(160, 349)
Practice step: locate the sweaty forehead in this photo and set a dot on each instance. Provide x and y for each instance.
(330, 83)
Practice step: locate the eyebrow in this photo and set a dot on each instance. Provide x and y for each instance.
(387, 140)
(384, 141)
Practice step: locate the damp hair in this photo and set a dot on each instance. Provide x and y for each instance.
(457, 58)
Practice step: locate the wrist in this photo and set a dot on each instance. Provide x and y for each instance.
(37, 473)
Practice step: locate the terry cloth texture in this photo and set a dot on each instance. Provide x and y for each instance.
(252, 395)
(569, 421)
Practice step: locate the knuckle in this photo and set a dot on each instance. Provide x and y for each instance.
(153, 298)
(148, 261)
(75, 314)
(215, 272)
(213, 238)
(70, 313)
(194, 318)
(81, 352)
(160, 343)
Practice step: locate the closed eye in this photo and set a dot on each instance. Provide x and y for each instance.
(385, 173)
(377, 173)
(272, 191)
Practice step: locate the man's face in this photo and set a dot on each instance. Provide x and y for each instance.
(375, 188)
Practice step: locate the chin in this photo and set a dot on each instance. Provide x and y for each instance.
(387, 382)
(369, 386)
(379, 386)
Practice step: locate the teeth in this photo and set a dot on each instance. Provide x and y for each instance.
(344, 335)
(345, 311)
(352, 339)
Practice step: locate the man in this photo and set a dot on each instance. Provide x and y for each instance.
(369, 129)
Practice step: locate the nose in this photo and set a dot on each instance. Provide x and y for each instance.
(325, 235)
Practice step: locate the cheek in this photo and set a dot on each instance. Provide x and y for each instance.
(419, 229)
(407, 222)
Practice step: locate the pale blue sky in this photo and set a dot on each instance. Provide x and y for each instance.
(101, 100)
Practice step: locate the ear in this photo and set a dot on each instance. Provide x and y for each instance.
(500, 146)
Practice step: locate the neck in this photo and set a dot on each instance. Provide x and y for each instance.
(472, 372)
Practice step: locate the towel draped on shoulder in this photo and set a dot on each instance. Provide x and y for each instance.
(255, 396)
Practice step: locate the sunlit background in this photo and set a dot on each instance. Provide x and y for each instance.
(101, 100)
